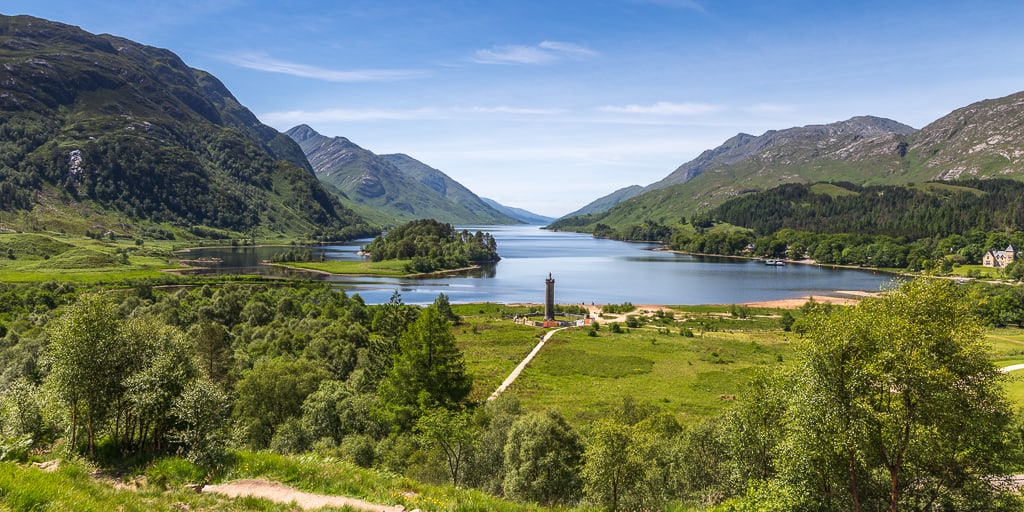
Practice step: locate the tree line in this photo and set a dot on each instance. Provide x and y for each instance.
(934, 210)
(931, 227)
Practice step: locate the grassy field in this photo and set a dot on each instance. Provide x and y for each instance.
(376, 268)
(1008, 349)
(585, 376)
(978, 270)
(28, 258)
(491, 344)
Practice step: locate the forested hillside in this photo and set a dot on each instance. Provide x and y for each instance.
(932, 209)
(92, 124)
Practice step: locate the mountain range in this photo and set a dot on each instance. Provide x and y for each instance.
(396, 184)
(981, 140)
(97, 131)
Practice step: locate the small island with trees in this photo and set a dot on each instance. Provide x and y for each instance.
(431, 246)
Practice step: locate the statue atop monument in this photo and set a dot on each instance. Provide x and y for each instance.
(549, 298)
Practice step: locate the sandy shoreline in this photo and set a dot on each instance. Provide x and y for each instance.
(838, 297)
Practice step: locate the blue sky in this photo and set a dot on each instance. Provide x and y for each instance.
(548, 105)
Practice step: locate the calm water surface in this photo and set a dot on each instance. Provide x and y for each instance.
(585, 270)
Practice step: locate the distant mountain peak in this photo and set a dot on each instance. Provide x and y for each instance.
(302, 133)
(396, 184)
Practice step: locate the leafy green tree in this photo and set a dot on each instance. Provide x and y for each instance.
(897, 406)
(543, 457)
(21, 411)
(428, 371)
(786, 320)
(212, 347)
(272, 392)
(321, 416)
(487, 467)
(202, 410)
(615, 471)
(159, 373)
(444, 308)
(453, 432)
(87, 360)
(389, 323)
(705, 469)
(754, 428)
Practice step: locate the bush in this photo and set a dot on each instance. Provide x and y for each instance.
(290, 437)
(358, 449)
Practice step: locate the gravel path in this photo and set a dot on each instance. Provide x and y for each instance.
(519, 369)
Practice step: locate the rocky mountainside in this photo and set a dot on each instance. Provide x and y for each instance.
(859, 138)
(119, 127)
(981, 140)
(397, 184)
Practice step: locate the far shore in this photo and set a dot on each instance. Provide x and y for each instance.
(806, 261)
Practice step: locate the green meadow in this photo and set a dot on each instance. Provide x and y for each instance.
(585, 376)
(33, 258)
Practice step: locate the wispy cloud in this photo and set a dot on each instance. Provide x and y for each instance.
(664, 108)
(511, 110)
(269, 64)
(546, 52)
(415, 114)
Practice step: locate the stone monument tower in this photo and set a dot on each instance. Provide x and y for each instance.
(549, 298)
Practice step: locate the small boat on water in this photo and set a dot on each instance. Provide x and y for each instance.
(777, 263)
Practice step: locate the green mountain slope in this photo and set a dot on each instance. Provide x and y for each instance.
(97, 123)
(982, 140)
(395, 184)
(779, 155)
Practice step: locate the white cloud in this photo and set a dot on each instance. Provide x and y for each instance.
(546, 52)
(664, 108)
(568, 50)
(261, 62)
(511, 110)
